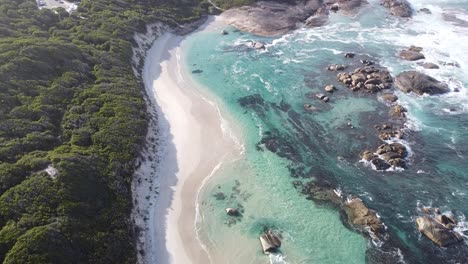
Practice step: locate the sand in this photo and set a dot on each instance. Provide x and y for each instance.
(193, 141)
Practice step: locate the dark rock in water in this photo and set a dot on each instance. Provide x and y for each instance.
(419, 83)
(390, 155)
(411, 55)
(220, 196)
(336, 67)
(257, 45)
(398, 148)
(349, 55)
(320, 193)
(197, 71)
(400, 8)
(437, 232)
(269, 18)
(367, 155)
(387, 135)
(233, 211)
(429, 65)
(367, 62)
(251, 100)
(284, 106)
(361, 217)
(320, 96)
(425, 11)
(389, 97)
(329, 88)
(415, 48)
(279, 145)
(452, 64)
(224, 32)
(398, 111)
(447, 220)
(380, 164)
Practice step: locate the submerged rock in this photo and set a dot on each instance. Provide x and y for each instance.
(437, 232)
(429, 65)
(420, 83)
(309, 107)
(425, 10)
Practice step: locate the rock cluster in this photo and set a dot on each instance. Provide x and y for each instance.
(387, 155)
(358, 214)
(369, 79)
(420, 83)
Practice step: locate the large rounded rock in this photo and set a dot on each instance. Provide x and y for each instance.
(362, 217)
(420, 83)
(411, 55)
(436, 232)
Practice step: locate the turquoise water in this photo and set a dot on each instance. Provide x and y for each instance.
(324, 145)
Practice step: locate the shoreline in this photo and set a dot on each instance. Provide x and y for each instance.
(192, 144)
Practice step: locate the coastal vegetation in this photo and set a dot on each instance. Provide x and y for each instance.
(72, 123)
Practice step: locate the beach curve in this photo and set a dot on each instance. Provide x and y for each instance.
(193, 141)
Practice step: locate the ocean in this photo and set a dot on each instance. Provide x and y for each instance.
(264, 91)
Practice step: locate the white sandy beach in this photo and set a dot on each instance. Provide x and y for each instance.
(192, 145)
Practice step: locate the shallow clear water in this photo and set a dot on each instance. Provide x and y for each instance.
(323, 146)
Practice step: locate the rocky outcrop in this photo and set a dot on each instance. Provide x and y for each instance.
(411, 55)
(437, 232)
(387, 155)
(419, 83)
(362, 217)
(400, 8)
(398, 111)
(268, 18)
(270, 242)
(369, 79)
